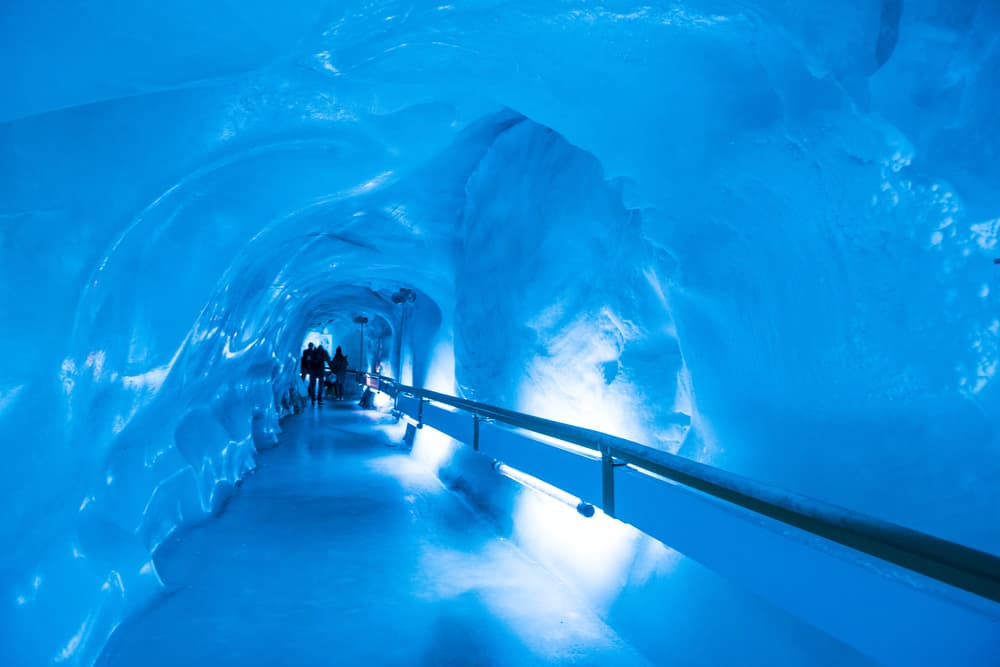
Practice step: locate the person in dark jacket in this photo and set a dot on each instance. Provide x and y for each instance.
(306, 364)
(320, 359)
(338, 366)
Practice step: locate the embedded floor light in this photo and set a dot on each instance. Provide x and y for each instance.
(524, 479)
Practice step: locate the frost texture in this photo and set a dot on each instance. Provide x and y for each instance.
(759, 234)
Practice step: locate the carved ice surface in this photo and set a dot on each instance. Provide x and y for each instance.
(759, 234)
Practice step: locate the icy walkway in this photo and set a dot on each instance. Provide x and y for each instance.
(339, 550)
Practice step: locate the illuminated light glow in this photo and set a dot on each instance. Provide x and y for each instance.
(594, 554)
(585, 509)
(432, 448)
(586, 401)
(317, 338)
(382, 400)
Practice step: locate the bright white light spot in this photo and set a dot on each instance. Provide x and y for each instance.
(538, 485)
(593, 553)
(382, 400)
(151, 380)
(36, 583)
(432, 448)
(371, 184)
(936, 238)
(21, 600)
(984, 291)
(575, 375)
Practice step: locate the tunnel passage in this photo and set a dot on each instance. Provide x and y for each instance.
(216, 292)
(778, 222)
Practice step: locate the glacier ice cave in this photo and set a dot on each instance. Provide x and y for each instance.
(757, 234)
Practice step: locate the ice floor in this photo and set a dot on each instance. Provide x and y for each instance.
(340, 550)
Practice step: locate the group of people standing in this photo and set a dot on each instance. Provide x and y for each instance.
(319, 366)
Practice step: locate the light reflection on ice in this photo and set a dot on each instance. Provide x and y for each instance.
(8, 395)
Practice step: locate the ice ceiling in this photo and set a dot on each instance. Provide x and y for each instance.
(757, 233)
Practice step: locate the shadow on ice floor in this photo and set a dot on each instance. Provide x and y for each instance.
(340, 550)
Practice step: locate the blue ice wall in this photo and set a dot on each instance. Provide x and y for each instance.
(758, 233)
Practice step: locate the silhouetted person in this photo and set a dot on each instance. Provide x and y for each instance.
(306, 364)
(338, 366)
(317, 370)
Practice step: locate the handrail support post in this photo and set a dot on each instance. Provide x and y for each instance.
(607, 480)
(475, 431)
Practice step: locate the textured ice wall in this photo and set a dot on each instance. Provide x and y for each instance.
(775, 218)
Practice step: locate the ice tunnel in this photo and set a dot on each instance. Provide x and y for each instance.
(757, 237)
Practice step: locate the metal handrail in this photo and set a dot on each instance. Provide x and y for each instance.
(972, 570)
